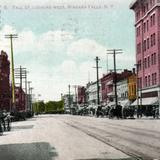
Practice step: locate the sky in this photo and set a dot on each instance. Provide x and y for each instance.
(58, 40)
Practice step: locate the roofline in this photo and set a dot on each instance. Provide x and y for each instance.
(131, 6)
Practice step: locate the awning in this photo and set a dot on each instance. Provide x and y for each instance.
(124, 103)
(146, 101)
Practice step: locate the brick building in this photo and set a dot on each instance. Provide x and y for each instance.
(4, 82)
(81, 95)
(107, 84)
(147, 26)
(20, 99)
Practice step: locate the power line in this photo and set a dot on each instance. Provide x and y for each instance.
(97, 70)
(11, 36)
(114, 52)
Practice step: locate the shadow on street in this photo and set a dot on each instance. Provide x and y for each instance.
(28, 151)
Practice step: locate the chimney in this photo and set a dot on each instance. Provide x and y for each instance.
(134, 71)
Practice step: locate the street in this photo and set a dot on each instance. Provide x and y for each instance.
(66, 137)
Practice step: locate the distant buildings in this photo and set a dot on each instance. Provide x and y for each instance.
(81, 95)
(4, 82)
(91, 90)
(68, 102)
(107, 83)
(147, 49)
(20, 99)
(87, 96)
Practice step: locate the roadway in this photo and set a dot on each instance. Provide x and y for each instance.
(65, 137)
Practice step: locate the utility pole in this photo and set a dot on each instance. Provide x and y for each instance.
(11, 36)
(75, 90)
(31, 108)
(114, 52)
(69, 99)
(29, 95)
(97, 70)
(26, 90)
(21, 73)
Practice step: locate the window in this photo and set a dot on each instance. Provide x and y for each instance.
(149, 80)
(151, 40)
(147, 43)
(154, 39)
(148, 62)
(145, 63)
(154, 58)
(144, 45)
(153, 19)
(145, 81)
(154, 78)
(147, 25)
(138, 48)
(147, 6)
(144, 27)
(137, 32)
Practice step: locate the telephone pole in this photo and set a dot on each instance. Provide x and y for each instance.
(21, 73)
(114, 52)
(69, 98)
(11, 36)
(97, 70)
(29, 95)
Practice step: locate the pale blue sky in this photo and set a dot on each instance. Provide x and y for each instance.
(88, 33)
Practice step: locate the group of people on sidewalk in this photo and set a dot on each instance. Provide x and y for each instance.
(5, 121)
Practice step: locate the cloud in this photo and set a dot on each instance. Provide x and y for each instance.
(56, 59)
(86, 47)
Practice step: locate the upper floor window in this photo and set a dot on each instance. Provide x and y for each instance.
(153, 39)
(144, 27)
(147, 43)
(154, 58)
(147, 25)
(138, 48)
(154, 78)
(145, 81)
(152, 20)
(145, 63)
(148, 62)
(149, 80)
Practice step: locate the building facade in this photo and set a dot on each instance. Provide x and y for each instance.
(91, 93)
(5, 93)
(81, 95)
(132, 87)
(122, 90)
(20, 98)
(68, 102)
(147, 26)
(107, 84)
